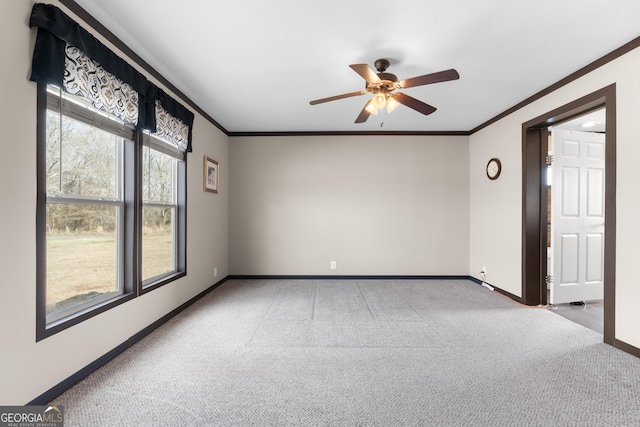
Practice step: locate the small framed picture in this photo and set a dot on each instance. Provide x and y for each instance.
(211, 175)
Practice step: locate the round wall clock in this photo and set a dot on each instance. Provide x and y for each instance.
(494, 167)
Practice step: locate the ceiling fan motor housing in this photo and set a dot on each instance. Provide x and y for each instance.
(387, 78)
(381, 65)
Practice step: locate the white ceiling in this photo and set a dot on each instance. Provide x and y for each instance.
(592, 122)
(254, 65)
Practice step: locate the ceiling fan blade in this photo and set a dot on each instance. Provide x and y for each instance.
(334, 98)
(440, 76)
(364, 114)
(411, 102)
(366, 73)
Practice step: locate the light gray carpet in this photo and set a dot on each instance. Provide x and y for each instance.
(362, 353)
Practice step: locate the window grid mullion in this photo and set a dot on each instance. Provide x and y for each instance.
(158, 205)
(79, 200)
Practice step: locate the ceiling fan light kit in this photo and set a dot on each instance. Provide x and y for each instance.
(382, 85)
(381, 101)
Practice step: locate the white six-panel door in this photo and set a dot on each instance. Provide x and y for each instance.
(577, 211)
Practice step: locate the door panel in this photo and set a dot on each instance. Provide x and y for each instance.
(577, 210)
(569, 248)
(595, 249)
(570, 188)
(595, 193)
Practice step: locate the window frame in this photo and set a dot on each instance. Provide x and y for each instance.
(180, 219)
(120, 259)
(174, 231)
(131, 230)
(181, 240)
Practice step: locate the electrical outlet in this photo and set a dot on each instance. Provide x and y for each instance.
(215, 271)
(333, 265)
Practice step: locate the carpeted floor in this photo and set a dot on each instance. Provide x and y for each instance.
(361, 353)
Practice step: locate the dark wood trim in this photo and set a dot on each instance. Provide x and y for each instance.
(155, 325)
(610, 217)
(65, 385)
(635, 351)
(498, 290)
(533, 144)
(136, 204)
(74, 379)
(41, 213)
(132, 178)
(354, 277)
(534, 200)
(352, 133)
(508, 294)
(102, 30)
(615, 54)
(476, 280)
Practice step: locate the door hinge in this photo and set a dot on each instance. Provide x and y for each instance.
(548, 160)
(548, 279)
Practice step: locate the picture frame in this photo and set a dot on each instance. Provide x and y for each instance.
(211, 175)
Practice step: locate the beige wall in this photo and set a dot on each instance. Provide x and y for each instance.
(377, 205)
(496, 207)
(27, 368)
(412, 205)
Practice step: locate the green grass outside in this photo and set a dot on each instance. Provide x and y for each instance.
(83, 266)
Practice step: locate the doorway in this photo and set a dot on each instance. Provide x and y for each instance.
(575, 218)
(535, 201)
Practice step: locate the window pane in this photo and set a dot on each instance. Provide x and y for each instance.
(82, 256)
(158, 255)
(158, 176)
(84, 162)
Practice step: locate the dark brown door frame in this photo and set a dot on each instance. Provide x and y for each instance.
(534, 200)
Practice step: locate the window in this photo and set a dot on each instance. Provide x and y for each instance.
(160, 210)
(85, 205)
(111, 199)
(98, 175)
(158, 214)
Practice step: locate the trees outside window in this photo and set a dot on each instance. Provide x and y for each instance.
(112, 215)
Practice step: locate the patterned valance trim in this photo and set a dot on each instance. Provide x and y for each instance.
(56, 30)
(171, 129)
(86, 78)
(177, 111)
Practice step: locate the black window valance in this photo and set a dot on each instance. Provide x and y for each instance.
(56, 30)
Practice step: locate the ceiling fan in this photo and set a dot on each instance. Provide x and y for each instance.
(382, 85)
